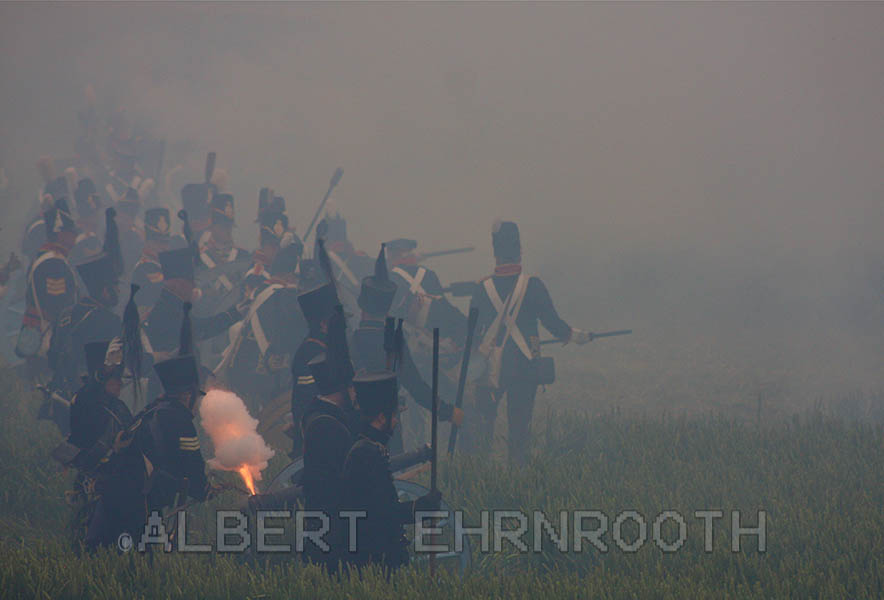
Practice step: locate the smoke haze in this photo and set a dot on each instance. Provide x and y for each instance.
(709, 174)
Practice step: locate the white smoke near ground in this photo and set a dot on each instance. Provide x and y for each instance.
(238, 445)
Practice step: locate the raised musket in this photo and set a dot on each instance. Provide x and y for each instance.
(425, 255)
(595, 336)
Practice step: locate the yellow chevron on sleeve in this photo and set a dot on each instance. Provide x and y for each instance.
(306, 380)
(55, 287)
(189, 443)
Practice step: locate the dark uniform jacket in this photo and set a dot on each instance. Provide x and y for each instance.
(96, 419)
(327, 438)
(441, 313)
(163, 325)
(52, 286)
(283, 326)
(367, 352)
(368, 486)
(86, 321)
(164, 433)
(536, 306)
(304, 387)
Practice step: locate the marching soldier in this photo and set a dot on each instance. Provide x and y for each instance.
(91, 319)
(258, 359)
(327, 432)
(51, 285)
(368, 481)
(375, 298)
(510, 304)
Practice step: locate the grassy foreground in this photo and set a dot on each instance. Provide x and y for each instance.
(818, 479)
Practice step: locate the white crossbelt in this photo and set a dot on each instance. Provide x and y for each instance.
(207, 260)
(416, 288)
(508, 312)
(343, 267)
(257, 329)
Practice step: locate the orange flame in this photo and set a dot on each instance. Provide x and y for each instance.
(247, 478)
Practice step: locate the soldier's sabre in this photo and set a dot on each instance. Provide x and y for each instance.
(594, 336)
(463, 250)
(336, 177)
(464, 369)
(434, 430)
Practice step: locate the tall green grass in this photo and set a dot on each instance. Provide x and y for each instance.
(820, 480)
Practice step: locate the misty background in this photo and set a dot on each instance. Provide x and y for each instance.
(708, 174)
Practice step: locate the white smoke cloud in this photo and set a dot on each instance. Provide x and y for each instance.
(234, 434)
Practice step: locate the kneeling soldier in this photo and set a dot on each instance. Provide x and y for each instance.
(368, 481)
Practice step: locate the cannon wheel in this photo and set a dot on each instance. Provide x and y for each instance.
(407, 490)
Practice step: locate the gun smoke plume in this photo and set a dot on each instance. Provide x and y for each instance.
(238, 445)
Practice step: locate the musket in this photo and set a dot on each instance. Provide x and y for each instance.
(426, 255)
(472, 319)
(210, 167)
(594, 336)
(336, 177)
(434, 430)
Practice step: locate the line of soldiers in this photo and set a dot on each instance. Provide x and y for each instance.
(272, 326)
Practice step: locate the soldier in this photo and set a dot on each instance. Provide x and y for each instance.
(368, 481)
(164, 433)
(88, 202)
(131, 235)
(97, 417)
(419, 297)
(51, 286)
(274, 230)
(160, 327)
(510, 304)
(216, 244)
(349, 264)
(91, 319)
(375, 298)
(326, 427)
(195, 200)
(258, 359)
(148, 272)
(317, 306)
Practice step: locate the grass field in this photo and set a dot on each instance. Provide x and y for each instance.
(818, 477)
